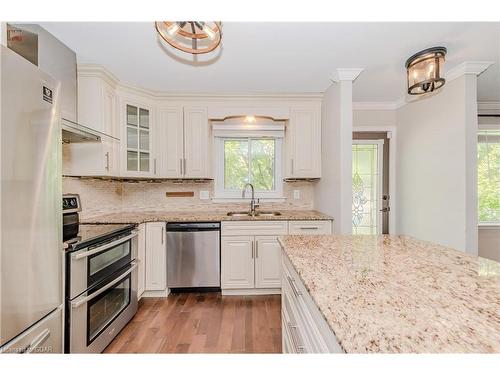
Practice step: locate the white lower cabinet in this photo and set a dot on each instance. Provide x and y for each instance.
(156, 257)
(237, 268)
(250, 262)
(267, 262)
(141, 256)
(310, 227)
(251, 253)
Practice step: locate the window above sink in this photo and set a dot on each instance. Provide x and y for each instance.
(249, 153)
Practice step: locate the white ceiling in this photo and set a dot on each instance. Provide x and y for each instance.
(284, 57)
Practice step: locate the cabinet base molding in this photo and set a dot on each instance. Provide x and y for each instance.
(250, 292)
(155, 293)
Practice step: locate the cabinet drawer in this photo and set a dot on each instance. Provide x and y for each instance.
(292, 326)
(315, 330)
(254, 228)
(310, 227)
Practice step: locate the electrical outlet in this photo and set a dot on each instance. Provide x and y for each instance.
(204, 194)
(296, 194)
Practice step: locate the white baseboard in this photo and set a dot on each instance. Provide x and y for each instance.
(250, 292)
(155, 293)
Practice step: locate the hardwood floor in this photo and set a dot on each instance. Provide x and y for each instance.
(203, 323)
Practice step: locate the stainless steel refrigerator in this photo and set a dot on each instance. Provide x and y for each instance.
(31, 312)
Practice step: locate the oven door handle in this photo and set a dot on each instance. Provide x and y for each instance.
(88, 253)
(84, 300)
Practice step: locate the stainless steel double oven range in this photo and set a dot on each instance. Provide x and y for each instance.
(101, 280)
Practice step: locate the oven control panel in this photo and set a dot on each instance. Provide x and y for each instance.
(71, 203)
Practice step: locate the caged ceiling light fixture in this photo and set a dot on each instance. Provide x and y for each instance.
(424, 71)
(195, 37)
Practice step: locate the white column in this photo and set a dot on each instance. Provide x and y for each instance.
(345, 78)
(334, 190)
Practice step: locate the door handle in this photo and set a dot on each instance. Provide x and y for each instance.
(181, 165)
(119, 241)
(185, 164)
(299, 347)
(154, 162)
(295, 290)
(39, 340)
(385, 209)
(80, 302)
(107, 160)
(256, 249)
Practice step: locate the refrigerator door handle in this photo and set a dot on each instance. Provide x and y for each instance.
(37, 341)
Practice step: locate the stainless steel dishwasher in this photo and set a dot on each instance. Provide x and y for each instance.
(193, 255)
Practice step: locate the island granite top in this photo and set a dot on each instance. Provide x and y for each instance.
(394, 294)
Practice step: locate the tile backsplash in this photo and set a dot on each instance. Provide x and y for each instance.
(101, 196)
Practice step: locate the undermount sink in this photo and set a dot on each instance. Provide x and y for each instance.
(239, 213)
(257, 213)
(268, 213)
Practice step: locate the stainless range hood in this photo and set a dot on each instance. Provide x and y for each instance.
(73, 132)
(41, 48)
(76, 133)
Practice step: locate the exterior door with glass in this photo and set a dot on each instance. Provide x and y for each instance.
(370, 183)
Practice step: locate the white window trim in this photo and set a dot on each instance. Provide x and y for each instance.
(487, 224)
(222, 195)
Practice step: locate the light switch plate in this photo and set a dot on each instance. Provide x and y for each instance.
(296, 194)
(204, 194)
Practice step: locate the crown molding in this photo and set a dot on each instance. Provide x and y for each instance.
(468, 67)
(94, 70)
(346, 74)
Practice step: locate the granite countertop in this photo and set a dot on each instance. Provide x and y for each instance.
(398, 294)
(149, 216)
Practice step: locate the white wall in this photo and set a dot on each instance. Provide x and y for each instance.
(437, 166)
(375, 118)
(333, 192)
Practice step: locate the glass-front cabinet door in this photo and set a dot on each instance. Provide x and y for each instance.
(138, 140)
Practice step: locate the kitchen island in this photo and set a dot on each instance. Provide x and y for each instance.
(387, 294)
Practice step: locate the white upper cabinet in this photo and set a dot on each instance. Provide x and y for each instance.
(196, 139)
(303, 144)
(97, 109)
(157, 136)
(137, 134)
(170, 142)
(182, 141)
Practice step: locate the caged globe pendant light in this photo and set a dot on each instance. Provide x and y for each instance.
(424, 71)
(195, 37)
